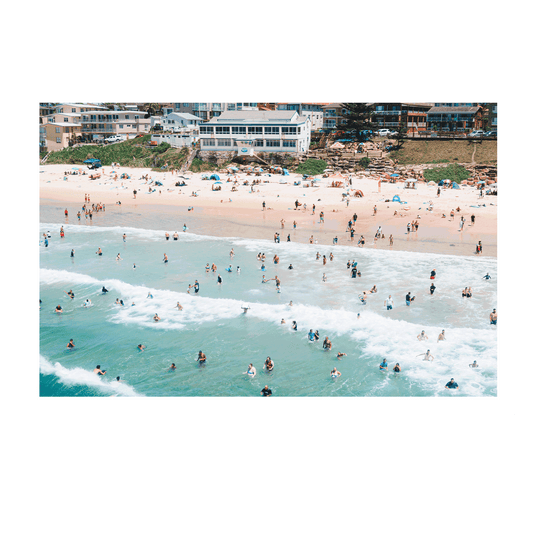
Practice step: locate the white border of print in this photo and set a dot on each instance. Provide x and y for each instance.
(30, 403)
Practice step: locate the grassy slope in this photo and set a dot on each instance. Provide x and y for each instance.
(418, 152)
(132, 153)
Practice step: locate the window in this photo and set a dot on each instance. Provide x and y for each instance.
(238, 130)
(289, 144)
(495, 121)
(58, 130)
(136, 117)
(73, 110)
(288, 130)
(271, 130)
(206, 130)
(255, 130)
(259, 142)
(65, 119)
(121, 126)
(127, 117)
(272, 142)
(185, 105)
(224, 142)
(380, 108)
(494, 108)
(222, 130)
(208, 142)
(231, 107)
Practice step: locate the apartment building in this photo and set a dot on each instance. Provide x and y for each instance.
(56, 136)
(261, 131)
(455, 117)
(412, 117)
(100, 124)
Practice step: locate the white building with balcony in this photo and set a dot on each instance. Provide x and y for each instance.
(101, 124)
(261, 131)
(176, 121)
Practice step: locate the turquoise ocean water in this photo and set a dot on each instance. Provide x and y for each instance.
(213, 320)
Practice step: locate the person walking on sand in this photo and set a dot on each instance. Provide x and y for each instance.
(375, 211)
(264, 206)
(391, 240)
(282, 223)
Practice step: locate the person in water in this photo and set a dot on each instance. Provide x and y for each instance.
(311, 335)
(149, 295)
(473, 365)
(59, 309)
(141, 347)
(335, 373)
(219, 280)
(326, 344)
(493, 317)
(72, 252)
(486, 276)
(266, 391)
(104, 290)
(179, 306)
(432, 288)
(452, 384)
(156, 318)
(269, 364)
(397, 367)
(422, 336)
(441, 336)
(165, 258)
(433, 274)
(340, 355)
(172, 367)
(290, 267)
(71, 344)
(99, 252)
(251, 370)
(427, 356)
(201, 357)
(87, 303)
(99, 372)
(384, 365)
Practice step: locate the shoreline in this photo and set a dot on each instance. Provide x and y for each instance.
(243, 215)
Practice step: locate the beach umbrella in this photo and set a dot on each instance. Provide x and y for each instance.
(395, 175)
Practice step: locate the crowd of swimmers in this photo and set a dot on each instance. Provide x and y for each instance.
(313, 336)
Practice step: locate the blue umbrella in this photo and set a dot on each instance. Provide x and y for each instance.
(395, 175)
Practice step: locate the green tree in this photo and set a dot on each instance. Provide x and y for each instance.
(358, 120)
(400, 137)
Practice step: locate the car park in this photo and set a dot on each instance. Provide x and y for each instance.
(476, 133)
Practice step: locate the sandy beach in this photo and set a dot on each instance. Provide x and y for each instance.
(240, 213)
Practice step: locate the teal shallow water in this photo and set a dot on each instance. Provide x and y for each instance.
(213, 321)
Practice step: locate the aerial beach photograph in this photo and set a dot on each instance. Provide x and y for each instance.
(268, 249)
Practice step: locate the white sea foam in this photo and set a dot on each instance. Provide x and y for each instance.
(80, 376)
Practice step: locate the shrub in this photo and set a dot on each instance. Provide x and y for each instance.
(453, 172)
(312, 167)
(364, 162)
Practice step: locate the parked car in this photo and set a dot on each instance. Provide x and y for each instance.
(491, 133)
(113, 139)
(476, 133)
(384, 132)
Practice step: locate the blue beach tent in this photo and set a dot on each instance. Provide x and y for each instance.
(396, 199)
(285, 173)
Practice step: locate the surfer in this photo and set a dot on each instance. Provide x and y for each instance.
(104, 290)
(99, 372)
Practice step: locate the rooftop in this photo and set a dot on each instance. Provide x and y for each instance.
(258, 117)
(453, 109)
(186, 116)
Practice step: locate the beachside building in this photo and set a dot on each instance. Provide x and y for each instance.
(455, 117)
(208, 110)
(492, 123)
(62, 117)
(410, 116)
(45, 109)
(78, 108)
(261, 131)
(100, 124)
(334, 116)
(56, 136)
(177, 140)
(174, 121)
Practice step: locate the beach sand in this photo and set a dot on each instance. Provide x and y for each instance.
(244, 216)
